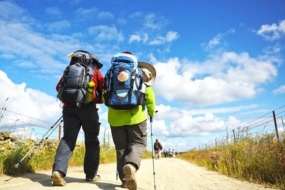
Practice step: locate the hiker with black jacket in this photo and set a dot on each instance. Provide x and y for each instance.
(77, 116)
(157, 148)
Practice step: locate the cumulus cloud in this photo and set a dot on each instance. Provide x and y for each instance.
(272, 32)
(26, 106)
(193, 123)
(226, 77)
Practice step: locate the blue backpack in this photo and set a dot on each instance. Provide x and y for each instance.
(123, 85)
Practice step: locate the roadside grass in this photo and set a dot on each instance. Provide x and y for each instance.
(42, 157)
(259, 159)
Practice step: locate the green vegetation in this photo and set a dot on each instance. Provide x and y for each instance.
(255, 159)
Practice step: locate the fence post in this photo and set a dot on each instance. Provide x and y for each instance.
(234, 135)
(59, 132)
(275, 124)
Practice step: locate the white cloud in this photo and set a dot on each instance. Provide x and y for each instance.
(169, 37)
(24, 104)
(27, 64)
(279, 90)
(154, 22)
(138, 38)
(196, 122)
(272, 32)
(217, 40)
(10, 11)
(223, 78)
(85, 14)
(106, 33)
(184, 124)
(30, 48)
(58, 26)
(134, 38)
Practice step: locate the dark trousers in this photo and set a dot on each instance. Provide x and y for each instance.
(73, 118)
(130, 143)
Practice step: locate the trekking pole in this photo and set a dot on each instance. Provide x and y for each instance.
(117, 172)
(39, 143)
(151, 134)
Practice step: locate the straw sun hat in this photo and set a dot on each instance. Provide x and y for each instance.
(149, 72)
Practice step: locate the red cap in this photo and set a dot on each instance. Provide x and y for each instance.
(128, 52)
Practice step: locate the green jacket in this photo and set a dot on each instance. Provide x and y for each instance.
(133, 116)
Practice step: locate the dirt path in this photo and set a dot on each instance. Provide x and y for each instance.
(170, 174)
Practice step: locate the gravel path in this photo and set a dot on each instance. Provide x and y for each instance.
(170, 174)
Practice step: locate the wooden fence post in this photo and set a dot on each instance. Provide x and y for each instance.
(59, 132)
(275, 124)
(234, 135)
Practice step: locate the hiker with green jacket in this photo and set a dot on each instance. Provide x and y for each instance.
(129, 130)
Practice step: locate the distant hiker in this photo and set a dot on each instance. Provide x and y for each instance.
(157, 148)
(129, 97)
(79, 89)
(173, 153)
(165, 153)
(169, 153)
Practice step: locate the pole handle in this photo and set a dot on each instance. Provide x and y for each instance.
(150, 118)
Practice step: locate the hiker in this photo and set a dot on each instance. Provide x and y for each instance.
(173, 153)
(76, 115)
(169, 153)
(165, 153)
(128, 120)
(157, 148)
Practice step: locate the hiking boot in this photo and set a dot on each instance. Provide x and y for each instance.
(96, 178)
(124, 185)
(130, 171)
(57, 179)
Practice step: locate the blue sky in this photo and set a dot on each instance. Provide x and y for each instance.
(219, 64)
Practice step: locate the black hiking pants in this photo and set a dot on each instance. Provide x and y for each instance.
(73, 118)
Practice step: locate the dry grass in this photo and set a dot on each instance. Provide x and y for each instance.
(259, 159)
(42, 157)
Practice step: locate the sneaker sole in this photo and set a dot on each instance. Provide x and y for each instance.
(57, 181)
(130, 178)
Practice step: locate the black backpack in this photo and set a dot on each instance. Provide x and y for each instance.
(157, 146)
(77, 86)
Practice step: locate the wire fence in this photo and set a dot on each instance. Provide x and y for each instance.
(26, 127)
(270, 124)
